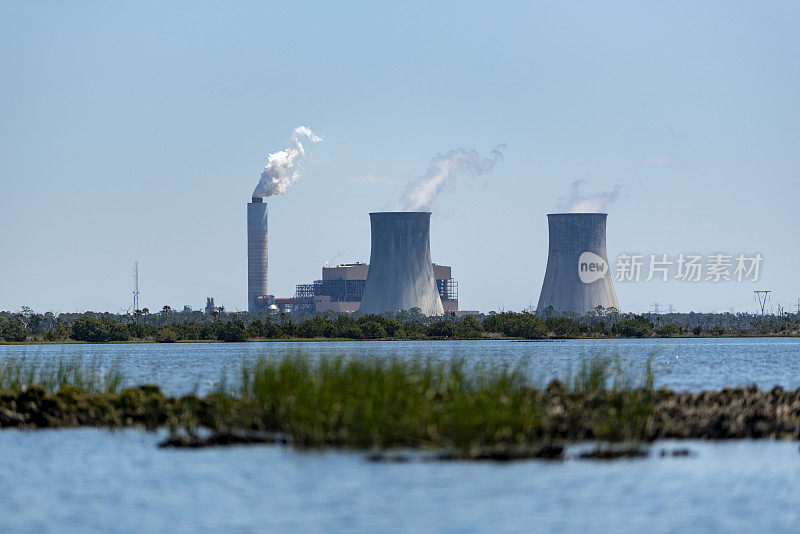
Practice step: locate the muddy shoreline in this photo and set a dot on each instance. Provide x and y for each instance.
(742, 413)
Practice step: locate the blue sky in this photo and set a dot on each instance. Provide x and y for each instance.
(138, 130)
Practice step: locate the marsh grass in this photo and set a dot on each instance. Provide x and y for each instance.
(75, 373)
(360, 403)
(602, 372)
(381, 403)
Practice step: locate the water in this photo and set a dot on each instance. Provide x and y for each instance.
(680, 364)
(91, 480)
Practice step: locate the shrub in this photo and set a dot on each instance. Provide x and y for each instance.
(313, 328)
(563, 327)
(636, 326)
(442, 329)
(373, 330)
(524, 325)
(469, 327)
(351, 331)
(288, 329)
(718, 331)
(668, 330)
(166, 335)
(101, 330)
(13, 330)
(233, 331)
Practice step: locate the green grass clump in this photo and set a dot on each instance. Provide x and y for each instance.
(75, 373)
(378, 403)
(349, 402)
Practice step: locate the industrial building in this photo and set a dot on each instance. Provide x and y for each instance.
(342, 287)
(403, 276)
(578, 278)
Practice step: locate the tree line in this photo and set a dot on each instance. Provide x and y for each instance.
(171, 326)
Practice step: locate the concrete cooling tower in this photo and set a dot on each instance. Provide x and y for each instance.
(256, 251)
(400, 273)
(578, 277)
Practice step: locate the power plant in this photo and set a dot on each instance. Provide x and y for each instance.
(342, 287)
(400, 274)
(400, 270)
(257, 297)
(578, 278)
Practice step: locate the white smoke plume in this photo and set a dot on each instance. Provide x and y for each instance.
(576, 202)
(443, 170)
(282, 168)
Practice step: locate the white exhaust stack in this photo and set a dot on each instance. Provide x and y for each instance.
(256, 252)
(282, 170)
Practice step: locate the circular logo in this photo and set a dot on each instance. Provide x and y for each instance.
(591, 267)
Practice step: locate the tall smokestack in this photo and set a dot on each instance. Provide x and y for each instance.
(578, 277)
(256, 252)
(400, 273)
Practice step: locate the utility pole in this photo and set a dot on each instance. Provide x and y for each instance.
(762, 297)
(135, 285)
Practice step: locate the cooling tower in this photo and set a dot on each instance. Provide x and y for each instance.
(400, 273)
(578, 277)
(256, 251)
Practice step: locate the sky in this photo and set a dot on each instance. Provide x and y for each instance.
(138, 130)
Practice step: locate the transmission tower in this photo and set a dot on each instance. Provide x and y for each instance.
(763, 298)
(656, 308)
(135, 285)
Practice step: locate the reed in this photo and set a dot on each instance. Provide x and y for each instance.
(380, 403)
(75, 373)
(350, 402)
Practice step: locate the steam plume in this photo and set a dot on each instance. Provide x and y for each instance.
(282, 166)
(576, 202)
(443, 170)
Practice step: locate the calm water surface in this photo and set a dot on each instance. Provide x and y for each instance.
(102, 481)
(681, 364)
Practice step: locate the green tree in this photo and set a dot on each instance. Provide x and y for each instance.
(373, 330)
(469, 327)
(101, 330)
(636, 326)
(14, 331)
(233, 330)
(442, 328)
(669, 330)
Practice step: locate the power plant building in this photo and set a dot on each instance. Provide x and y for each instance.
(578, 277)
(401, 275)
(342, 286)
